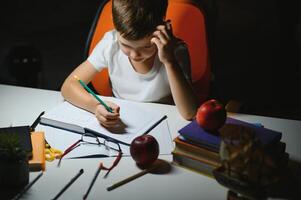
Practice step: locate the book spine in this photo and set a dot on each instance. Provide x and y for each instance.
(195, 165)
(196, 151)
(206, 145)
(197, 157)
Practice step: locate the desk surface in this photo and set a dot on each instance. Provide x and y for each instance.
(20, 106)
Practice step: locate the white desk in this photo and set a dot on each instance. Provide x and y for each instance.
(20, 106)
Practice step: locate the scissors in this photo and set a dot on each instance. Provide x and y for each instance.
(50, 152)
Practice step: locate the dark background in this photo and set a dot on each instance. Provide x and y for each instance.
(255, 48)
(57, 29)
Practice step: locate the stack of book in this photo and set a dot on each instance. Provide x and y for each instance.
(198, 149)
(195, 157)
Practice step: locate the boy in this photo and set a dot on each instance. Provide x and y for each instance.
(145, 61)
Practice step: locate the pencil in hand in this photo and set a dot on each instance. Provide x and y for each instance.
(93, 94)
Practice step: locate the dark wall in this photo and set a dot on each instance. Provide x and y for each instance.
(254, 45)
(256, 51)
(49, 35)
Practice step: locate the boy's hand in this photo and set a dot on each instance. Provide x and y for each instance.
(165, 42)
(106, 118)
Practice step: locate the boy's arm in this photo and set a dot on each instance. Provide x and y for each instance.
(73, 92)
(182, 92)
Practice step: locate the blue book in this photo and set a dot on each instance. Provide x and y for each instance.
(195, 134)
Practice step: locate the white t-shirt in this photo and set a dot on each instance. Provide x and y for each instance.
(126, 82)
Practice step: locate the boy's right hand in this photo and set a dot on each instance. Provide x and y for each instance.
(106, 118)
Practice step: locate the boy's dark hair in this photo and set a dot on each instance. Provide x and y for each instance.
(136, 19)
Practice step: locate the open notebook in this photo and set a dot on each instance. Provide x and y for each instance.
(62, 139)
(135, 121)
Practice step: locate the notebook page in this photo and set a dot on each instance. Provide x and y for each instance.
(68, 116)
(134, 120)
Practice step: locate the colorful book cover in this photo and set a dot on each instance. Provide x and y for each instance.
(195, 134)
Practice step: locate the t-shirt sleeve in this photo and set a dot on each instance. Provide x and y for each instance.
(100, 54)
(183, 59)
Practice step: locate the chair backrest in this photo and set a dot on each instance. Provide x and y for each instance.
(102, 23)
(188, 23)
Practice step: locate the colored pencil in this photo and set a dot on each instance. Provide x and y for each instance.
(69, 184)
(26, 188)
(93, 94)
(133, 177)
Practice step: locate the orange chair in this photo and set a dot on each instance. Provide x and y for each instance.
(188, 23)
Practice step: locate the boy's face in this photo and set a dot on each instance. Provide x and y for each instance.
(137, 50)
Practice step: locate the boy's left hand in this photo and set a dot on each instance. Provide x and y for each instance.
(165, 42)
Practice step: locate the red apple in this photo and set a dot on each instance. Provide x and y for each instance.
(144, 150)
(211, 115)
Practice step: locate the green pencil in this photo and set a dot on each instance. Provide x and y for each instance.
(91, 92)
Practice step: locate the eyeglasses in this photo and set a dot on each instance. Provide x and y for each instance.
(109, 146)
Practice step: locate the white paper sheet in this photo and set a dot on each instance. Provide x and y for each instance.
(135, 120)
